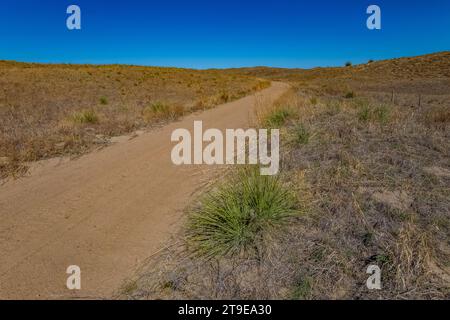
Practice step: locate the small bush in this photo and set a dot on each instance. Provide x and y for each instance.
(236, 217)
(162, 111)
(302, 289)
(85, 117)
(103, 101)
(369, 113)
(382, 113)
(301, 134)
(348, 64)
(277, 117)
(364, 113)
(313, 101)
(350, 95)
(224, 97)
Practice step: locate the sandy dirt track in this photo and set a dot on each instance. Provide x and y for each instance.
(105, 212)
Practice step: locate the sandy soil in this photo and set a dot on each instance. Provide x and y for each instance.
(105, 212)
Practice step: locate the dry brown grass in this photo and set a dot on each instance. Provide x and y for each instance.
(373, 176)
(52, 110)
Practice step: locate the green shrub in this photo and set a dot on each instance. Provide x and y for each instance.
(103, 101)
(235, 218)
(348, 64)
(302, 289)
(161, 111)
(301, 134)
(369, 113)
(364, 113)
(382, 113)
(350, 95)
(313, 101)
(278, 117)
(84, 117)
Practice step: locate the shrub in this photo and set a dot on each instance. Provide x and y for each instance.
(380, 113)
(364, 113)
(302, 289)
(235, 218)
(301, 134)
(224, 97)
(103, 101)
(277, 117)
(162, 111)
(313, 101)
(84, 117)
(348, 64)
(350, 95)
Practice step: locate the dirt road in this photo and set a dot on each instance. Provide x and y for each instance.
(105, 212)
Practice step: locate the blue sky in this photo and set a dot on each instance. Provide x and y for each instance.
(212, 33)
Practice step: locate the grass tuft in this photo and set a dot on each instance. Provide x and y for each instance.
(235, 218)
(379, 113)
(103, 101)
(85, 117)
(277, 117)
(162, 111)
(301, 134)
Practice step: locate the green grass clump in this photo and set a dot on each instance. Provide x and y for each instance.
(159, 107)
(235, 218)
(364, 113)
(313, 101)
(161, 111)
(278, 117)
(85, 117)
(302, 289)
(378, 114)
(301, 134)
(103, 101)
(350, 95)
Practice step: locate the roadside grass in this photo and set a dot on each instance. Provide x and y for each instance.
(162, 111)
(277, 117)
(84, 117)
(234, 219)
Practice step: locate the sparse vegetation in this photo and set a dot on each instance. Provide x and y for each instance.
(301, 134)
(350, 95)
(162, 111)
(375, 178)
(84, 117)
(45, 107)
(103, 101)
(378, 113)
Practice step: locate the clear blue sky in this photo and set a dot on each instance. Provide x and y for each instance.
(228, 33)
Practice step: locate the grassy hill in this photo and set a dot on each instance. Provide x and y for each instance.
(50, 110)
